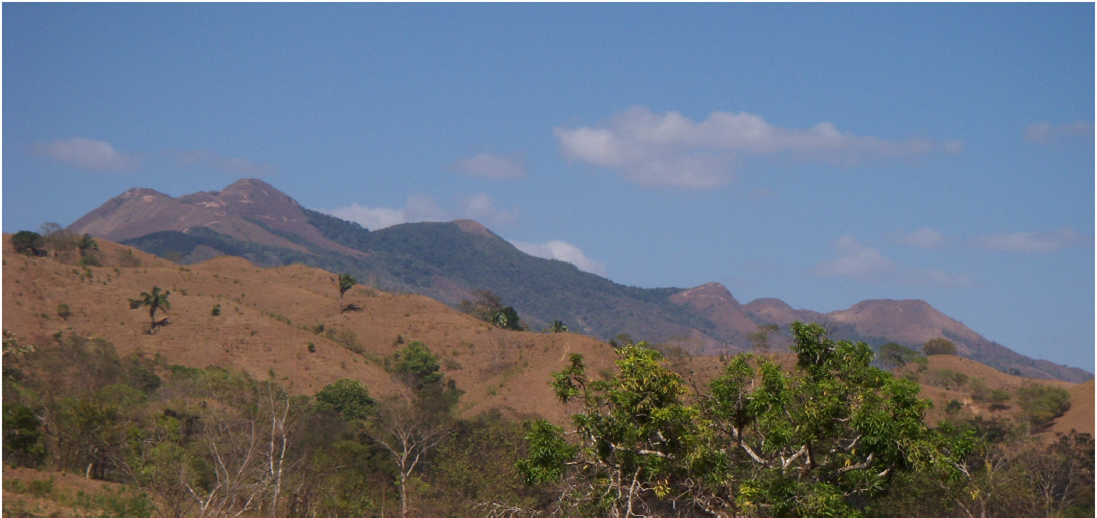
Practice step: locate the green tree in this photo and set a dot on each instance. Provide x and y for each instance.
(346, 397)
(557, 327)
(938, 346)
(86, 244)
(1042, 403)
(27, 242)
(154, 300)
(345, 281)
(416, 365)
(506, 318)
(892, 355)
(760, 440)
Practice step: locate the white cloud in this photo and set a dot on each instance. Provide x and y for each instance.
(562, 251)
(856, 261)
(921, 238)
(236, 165)
(424, 208)
(1030, 242)
(417, 208)
(480, 208)
(87, 154)
(1045, 133)
(670, 149)
(496, 167)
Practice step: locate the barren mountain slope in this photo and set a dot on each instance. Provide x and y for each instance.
(248, 210)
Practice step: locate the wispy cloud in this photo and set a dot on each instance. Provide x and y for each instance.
(858, 262)
(416, 208)
(419, 208)
(480, 208)
(204, 158)
(91, 155)
(672, 150)
(496, 167)
(562, 251)
(1030, 242)
(1044, 133)
(921, 238)
(1015, 242)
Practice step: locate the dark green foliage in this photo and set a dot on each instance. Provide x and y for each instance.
(216, 311)
(346, 397)
(892, 355)
(954, 407)
(557, 327)
(938, 346)
(506, 318)
(345, 281)
(1041, 403)
(412, 255)
(549, 454)
(416, 365)
(154, 300)
(23, 444)
(27, 242)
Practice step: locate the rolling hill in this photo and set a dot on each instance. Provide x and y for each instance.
(269, 317)
(449, 261)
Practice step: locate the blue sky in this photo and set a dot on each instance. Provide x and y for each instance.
(823, 154)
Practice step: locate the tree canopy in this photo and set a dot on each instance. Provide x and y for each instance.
(813, 441)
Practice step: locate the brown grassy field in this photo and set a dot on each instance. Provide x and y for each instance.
(270, 316)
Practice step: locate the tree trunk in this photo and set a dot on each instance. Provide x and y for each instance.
(403, 495)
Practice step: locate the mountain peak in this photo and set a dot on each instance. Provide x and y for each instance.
(473, 227)
(138, 192)
(710, 293)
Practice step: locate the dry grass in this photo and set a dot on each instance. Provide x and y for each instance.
(269, 316)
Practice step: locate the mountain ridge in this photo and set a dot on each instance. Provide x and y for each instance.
(449, 261)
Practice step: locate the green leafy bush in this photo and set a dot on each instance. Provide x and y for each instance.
(1041, 403)
(346, 397)
(938, 346)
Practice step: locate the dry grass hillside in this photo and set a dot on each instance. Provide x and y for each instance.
(941, 386)
(268, 317)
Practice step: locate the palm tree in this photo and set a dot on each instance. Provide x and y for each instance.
(346, 281)
(558, 327)
(86, 243)
(154, 300)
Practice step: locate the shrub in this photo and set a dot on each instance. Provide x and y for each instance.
(996, 398)
(27, 242)
(1041, 403)
(892, 355)
(417, 364)
(938, 346)
(346, 397)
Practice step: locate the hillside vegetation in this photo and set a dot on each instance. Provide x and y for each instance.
(256, 392)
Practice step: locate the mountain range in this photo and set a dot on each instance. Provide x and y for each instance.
(450, 261)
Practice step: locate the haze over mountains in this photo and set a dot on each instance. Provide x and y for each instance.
(449, 261)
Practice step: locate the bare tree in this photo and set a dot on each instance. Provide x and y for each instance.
(408, 433)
